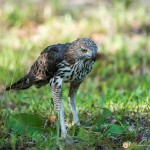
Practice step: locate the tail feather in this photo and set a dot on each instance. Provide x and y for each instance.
(21, 84)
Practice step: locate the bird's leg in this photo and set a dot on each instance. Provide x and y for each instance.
(72, 99)
(56, 85)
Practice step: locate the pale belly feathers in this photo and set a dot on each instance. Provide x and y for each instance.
(70, 73)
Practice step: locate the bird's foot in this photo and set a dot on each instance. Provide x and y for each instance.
(76, 124)
(67, 139)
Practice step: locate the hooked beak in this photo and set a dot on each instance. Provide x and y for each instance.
(94, 56)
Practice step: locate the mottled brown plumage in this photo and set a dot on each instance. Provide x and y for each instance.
(44, 67)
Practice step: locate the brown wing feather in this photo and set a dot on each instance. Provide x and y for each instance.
(43, 69)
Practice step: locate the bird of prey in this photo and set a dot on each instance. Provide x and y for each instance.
(58, 64)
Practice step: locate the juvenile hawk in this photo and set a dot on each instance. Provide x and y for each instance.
(59, 63)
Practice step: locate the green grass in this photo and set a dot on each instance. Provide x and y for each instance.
(113, 101)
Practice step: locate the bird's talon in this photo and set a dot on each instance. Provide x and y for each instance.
(67, 140)
(76, 124)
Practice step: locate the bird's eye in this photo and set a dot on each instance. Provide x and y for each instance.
(84, 50)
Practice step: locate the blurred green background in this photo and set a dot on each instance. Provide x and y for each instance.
(119, 81)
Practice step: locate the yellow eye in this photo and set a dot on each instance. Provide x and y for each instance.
(84, 50)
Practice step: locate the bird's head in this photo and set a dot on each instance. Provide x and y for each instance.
(83, 49)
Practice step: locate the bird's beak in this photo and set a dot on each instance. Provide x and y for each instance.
(94, 56)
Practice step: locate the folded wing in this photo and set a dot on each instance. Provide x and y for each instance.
(43, 69)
